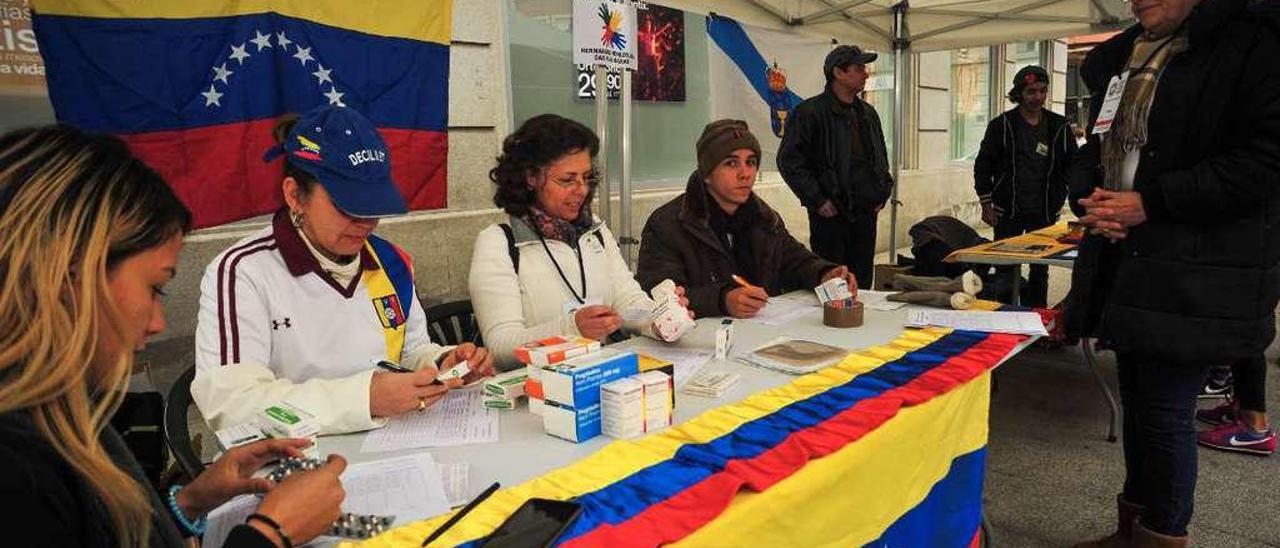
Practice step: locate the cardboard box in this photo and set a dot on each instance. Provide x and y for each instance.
(659, 394)
(568, 423)
(509, 385)
(576, 383)
(285, 420)
(553, 350)
(882, 276)
(622, 408)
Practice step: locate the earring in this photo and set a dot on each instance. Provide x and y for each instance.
(296, 218)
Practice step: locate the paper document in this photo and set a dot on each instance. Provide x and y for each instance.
(409, 488)
(687, 361)
(459, 419)
(784, 311)
(457, 482)
(878, 300)
(1019, 323)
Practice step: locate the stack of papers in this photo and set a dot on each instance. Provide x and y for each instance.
(710, 384)
(1017, 323)
(460, 418)
(878, 300)
(794, 356)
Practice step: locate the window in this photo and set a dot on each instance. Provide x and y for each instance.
(971, 99)
(543, 79)
(1023, 54)
(879, 92)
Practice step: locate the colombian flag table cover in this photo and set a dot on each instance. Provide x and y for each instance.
(886, 448)
(194, 87)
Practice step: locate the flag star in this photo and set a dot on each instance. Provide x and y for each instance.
(322, 75)
(263, 41)
(211, 96)
(303, 55)
(221, 72)
(239, 54)
(335, 97)
(282, 40)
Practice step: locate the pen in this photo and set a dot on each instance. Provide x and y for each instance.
(393, 367)
(463, 512)
(742, 282)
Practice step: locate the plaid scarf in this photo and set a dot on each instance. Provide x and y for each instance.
(1129, 130)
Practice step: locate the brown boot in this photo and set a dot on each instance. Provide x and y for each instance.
(1146, 538)
(1127, 515)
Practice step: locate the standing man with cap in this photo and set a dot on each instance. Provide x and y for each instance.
(1021, 172)
(833, 157)
(719, 229)
(310, 309)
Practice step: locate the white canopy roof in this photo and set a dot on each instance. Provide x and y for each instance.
(947, 24)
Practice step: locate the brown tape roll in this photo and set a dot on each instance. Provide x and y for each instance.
(842, 317)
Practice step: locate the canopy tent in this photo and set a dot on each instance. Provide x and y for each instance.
(907, 26)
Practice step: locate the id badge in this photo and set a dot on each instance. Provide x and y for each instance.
(1111, 103)
(1042, 149)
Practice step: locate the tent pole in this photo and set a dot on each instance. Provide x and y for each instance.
(602, 131)
(900, 47)
(625, 241)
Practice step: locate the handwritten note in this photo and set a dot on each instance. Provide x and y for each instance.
(785, 311)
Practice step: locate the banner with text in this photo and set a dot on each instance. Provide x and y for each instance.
(21, 68)
(660, 75)
(604, 33)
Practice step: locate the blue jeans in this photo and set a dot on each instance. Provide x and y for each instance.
(1159, 402)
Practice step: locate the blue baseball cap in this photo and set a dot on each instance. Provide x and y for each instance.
(342, 150)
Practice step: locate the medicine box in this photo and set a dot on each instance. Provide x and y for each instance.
(285, 420)
(576, 425)
(576, 383)
(622, 408)
(509, 385)
(552, 350)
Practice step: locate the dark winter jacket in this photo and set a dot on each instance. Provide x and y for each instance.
(1199, 280)
(678, 243)
(816, 157)
(995, 169)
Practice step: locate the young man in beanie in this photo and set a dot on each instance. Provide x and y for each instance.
(833, 157)
(1021, 172)
(719, 228)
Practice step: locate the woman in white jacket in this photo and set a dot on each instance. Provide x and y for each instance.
(305, 310)
(552, 268)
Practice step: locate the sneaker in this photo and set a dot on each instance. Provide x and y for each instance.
(1238, 438)
(1223, 413)
(1218, 384)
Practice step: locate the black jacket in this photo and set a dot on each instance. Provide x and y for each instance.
(1200, 279)
(47, 504)
(816, 156)
(995, 169)
(678, 243)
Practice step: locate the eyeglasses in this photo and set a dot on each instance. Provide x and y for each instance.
(570, 181)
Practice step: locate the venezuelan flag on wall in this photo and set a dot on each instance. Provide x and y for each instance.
(195, 87)
(888, 448)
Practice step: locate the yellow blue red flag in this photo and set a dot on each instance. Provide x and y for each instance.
(194, 88)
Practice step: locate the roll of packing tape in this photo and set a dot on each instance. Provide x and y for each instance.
(838, 316)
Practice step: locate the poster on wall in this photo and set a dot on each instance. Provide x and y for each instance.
(660, 72)
(21, 68)
(604, 33)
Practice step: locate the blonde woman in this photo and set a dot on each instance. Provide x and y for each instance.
(89, 236)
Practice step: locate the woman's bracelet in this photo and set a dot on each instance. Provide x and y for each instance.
(195, 528)
(284, 537)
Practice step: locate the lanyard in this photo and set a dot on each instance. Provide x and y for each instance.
(582, 271)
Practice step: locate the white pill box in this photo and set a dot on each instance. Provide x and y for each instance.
(573, 424)
(285, 420)
(622, 408)
(240, 434)
(509, 385)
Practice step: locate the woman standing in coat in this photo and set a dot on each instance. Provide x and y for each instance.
(1182, 269)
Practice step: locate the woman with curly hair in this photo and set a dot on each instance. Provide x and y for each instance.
(552, 268)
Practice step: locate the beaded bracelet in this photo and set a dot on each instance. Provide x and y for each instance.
(195, 528)
(288, 542)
